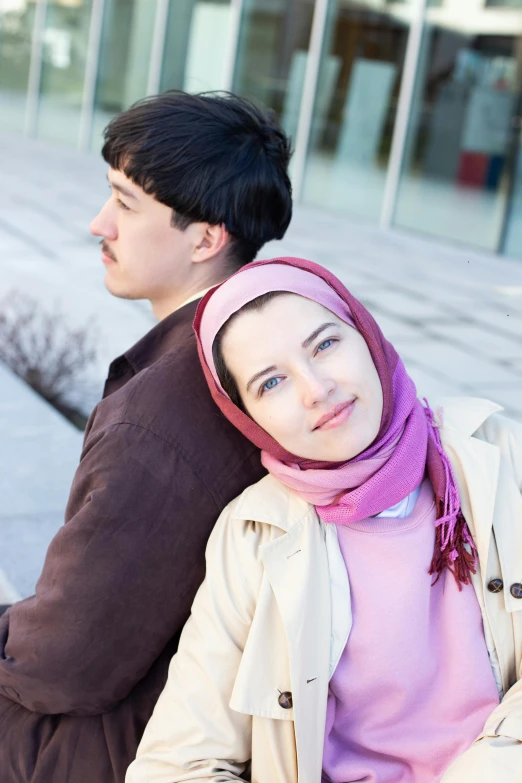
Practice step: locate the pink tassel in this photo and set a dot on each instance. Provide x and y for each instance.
(454, 546)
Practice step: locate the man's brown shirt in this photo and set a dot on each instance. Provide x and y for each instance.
(83, 661)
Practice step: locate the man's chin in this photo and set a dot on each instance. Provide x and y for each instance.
(120, 291)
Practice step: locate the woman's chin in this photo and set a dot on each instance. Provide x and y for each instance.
(347, 446)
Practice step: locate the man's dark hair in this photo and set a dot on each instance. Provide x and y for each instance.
(213, 158)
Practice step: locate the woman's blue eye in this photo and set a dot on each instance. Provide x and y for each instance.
(270, 384)
(324, 345)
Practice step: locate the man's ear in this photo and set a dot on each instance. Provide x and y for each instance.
(211, 242)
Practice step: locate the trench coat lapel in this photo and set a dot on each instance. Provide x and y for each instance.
(476, 467)
(475, 464)
(297, 567)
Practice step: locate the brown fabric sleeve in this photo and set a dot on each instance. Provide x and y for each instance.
(118, 580)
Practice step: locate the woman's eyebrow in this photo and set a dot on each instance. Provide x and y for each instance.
(305, 344)
(259, 374)
(317, 332)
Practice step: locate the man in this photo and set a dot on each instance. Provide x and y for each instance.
(198, 185)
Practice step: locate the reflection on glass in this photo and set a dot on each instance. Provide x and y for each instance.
(16, 24)
(272, 54)
(65, 41)
(355, 106)
(197, 44)
(503, 3)
(125, 51)
(456, 171)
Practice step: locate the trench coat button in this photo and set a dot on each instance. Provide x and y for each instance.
(285, 700)
(516, 590)
(496, 586)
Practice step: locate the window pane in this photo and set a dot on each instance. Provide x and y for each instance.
(272, 53)
(197, 45)
(16, 24)
(457, 167)
(355, 106)
(125, 50)
(65, 42)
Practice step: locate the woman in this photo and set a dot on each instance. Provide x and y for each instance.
(361, 617)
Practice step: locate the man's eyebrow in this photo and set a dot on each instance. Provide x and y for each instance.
(259, 375)
(317, 332)
(123, 190)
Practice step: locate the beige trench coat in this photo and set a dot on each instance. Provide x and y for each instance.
(273, 615)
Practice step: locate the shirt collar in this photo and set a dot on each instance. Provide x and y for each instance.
(199, 295)
(161, 339)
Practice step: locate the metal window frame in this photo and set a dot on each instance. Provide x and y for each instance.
(404, 106)
(32, 101)
(306, 112)
(236, 14)
(91, 74)
(157, 48)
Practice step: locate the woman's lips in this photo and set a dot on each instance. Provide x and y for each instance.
(336, 416)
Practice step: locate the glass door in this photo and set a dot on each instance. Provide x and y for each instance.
(65, 41)
(458, 162)
(125, 50)
(355, 106)
(272, 54)
(16, 25)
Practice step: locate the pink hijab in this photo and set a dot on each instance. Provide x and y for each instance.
(407, 444)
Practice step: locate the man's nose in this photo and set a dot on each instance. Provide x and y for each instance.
(315, 389)
(104, 224)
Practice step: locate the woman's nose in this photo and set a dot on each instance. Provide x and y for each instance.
(316, 389)
(104, 224)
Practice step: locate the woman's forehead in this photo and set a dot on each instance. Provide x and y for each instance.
(289, 306)
(289, 312)
(284, 323)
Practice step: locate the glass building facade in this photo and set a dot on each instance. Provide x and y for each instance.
(402, 113)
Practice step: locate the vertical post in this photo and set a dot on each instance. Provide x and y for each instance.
(35, 69)
(400, 131)
(513, 157)
(236, 11)
(91, 73)
(158, 46)
(304, 125)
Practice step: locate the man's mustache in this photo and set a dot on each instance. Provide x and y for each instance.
(107, 251)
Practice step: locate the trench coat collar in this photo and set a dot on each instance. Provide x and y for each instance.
(464, 414)
(271, 502)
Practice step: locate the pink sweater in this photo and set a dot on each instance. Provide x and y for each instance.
(413, 687)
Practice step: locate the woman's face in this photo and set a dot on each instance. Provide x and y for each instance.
(305, 377)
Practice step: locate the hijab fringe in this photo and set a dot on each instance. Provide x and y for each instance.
(454, 549)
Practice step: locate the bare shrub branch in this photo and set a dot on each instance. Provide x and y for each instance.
(42, 349)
